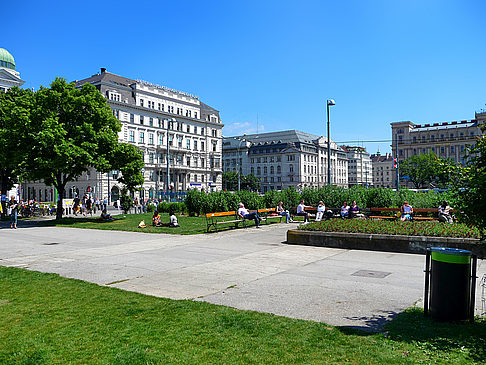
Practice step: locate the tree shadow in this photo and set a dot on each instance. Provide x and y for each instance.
(368, 325)
(412, 326)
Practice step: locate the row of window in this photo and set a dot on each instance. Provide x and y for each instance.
(196, 144)
(170, 109)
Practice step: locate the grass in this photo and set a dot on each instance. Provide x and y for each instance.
(129, 222)
(434, 229)
(46, 319)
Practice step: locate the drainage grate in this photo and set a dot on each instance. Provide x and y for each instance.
(371, 274)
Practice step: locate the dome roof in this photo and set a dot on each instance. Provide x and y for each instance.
(6, 59)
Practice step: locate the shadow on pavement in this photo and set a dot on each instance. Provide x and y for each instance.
(375, 323)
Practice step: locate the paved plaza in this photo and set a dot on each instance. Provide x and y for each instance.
(247, 269)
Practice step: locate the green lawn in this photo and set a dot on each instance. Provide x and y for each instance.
(129, 222)
(46, 319)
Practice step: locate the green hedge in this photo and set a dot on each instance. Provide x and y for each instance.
(200, 202)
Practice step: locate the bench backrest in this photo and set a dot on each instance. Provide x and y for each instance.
(220, 214)
(417, 210)
(266, 210)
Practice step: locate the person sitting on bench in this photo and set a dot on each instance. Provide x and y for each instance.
(345, 210)
(322, 212)
(445, 213)
(406, 211)
(284, 213)
(301, 211)
(245, 214)
(354, 211)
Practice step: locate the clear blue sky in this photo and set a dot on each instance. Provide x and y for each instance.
(381, 61)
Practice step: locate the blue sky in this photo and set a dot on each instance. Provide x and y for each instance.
(275, 61)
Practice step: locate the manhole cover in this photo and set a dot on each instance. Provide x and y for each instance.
(371, 274)
(50, 243)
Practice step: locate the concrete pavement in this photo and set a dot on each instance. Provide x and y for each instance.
(247, 269)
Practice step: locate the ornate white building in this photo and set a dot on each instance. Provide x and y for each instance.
(171, 128)
(286, 158)
(9, 78)
(360, 171)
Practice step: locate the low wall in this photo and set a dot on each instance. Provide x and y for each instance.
(382, 242)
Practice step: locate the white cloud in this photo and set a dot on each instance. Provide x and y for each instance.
(242, 128)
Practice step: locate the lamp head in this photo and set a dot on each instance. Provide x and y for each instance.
(331, 102)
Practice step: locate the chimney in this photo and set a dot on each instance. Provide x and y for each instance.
(103, 70)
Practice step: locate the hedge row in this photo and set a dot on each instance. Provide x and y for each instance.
(199, 202)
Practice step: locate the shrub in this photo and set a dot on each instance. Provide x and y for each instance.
(150, 208)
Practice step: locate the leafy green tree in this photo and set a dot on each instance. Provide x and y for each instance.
(250, 182)
(423, 170)
(230, 180)
(129, 160)
(71, 130)
(471, 185)
(15, 109)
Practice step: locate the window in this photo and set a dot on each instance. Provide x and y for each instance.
(195, 115)
(141, 138)
(272, 170)
(252, 170)
(291, 168)
(195, 145)
(279, 169)
(132, 118)
(161, 139)
(215, 144)
(202, 131)
(151, 138)
(141, 102)
(452, 149)
(259, 171)
(151, 121)
(202, 146)
(141, 119)
(132, 136)
(265, 170)
(180, 142)
(170, 140)
(151, 158)
(188, 144)
(188, 129)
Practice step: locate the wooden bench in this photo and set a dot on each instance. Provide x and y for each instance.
(215, 219)
(396, 210)
(269, 213)
(313, 212)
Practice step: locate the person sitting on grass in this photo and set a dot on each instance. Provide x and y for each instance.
(406, 211)
(156, 219)
(245, 214)
(345, 210)
(445, 213)
(172, 220)
(105, 217)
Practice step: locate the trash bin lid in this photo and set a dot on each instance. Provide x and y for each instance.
(451, 255)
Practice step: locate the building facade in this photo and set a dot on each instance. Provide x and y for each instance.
(384, 173)
(9, 77)
(360, 171)
(179, 135)
(284, 159)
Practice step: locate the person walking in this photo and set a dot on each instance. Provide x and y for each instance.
(13, 209)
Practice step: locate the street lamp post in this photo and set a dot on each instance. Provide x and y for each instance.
(330, 102)
(238, 160)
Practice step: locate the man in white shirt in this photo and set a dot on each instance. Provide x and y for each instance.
(301, 211)
(245, 214)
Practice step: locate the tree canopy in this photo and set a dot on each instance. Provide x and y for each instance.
(64, 131)
(248, 182)
(425, 169)
(15, 109)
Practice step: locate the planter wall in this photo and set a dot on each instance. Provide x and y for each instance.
(382, 242)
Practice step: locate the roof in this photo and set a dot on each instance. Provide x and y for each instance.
(6, 59)
(382, 158)
(279, 137)
(106, 77)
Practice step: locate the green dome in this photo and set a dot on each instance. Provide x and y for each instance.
(6, 59)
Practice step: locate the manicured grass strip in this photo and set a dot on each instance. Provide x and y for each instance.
(435, 229)
(46, 319)
(129, 223)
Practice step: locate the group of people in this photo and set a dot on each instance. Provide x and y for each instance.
(443, 212)
(88, 205)
(157, 220)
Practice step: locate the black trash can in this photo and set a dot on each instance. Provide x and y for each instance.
(450, 284)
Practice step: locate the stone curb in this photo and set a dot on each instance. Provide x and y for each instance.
(382, 242)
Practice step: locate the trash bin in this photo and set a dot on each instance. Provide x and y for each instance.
(451, 288)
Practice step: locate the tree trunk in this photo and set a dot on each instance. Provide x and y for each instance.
(60, 185)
